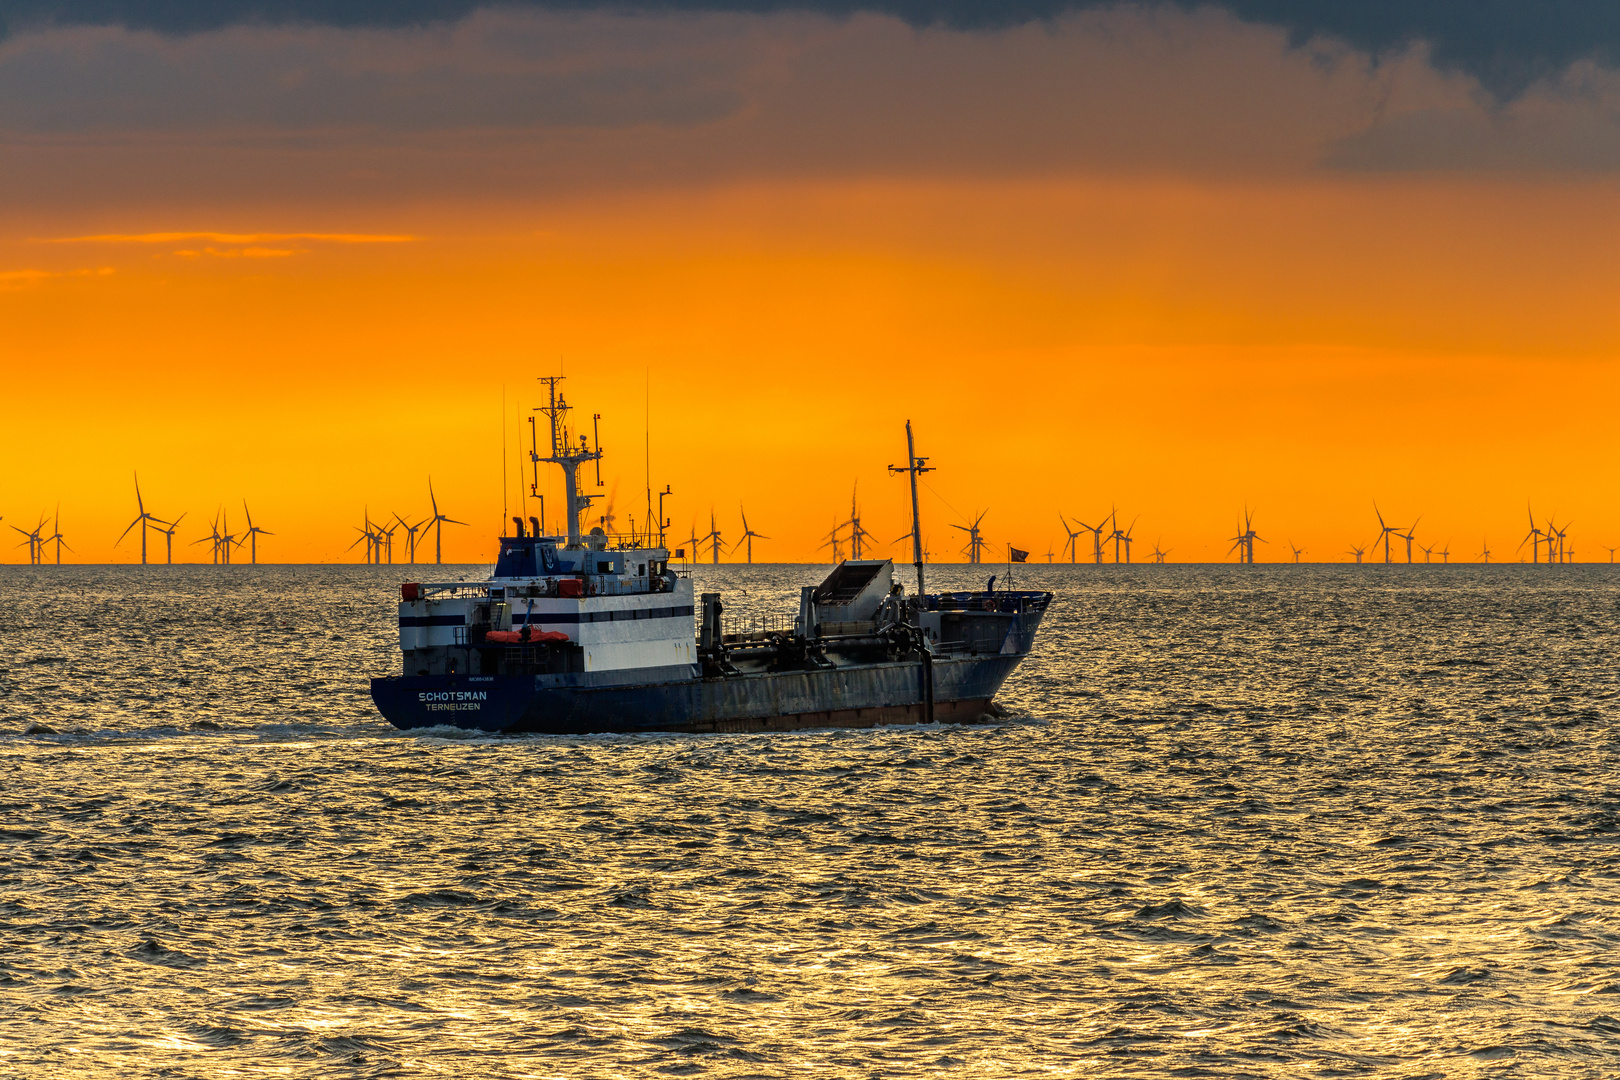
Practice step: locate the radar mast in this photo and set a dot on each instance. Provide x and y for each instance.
(564, 454)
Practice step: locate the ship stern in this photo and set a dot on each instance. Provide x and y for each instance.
(472, 702)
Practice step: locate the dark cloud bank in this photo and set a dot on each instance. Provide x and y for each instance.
(1506, 44)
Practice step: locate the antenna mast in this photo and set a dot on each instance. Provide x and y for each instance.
(914, 465)
(564, 454)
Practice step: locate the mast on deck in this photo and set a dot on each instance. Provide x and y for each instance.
(914, 465)
(564, 454)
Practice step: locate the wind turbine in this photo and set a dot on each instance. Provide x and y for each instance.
(35, 542)
(713, 539)
(1485, 549)
(836, 542)
(1096, 538)
(857, 533)
(1072, 534)
(1611, 552)
(141, 519)
(975, 544)
(1445, 553)
(410, 535)
(168, 538)
(367, 535)
(1427, 552)
(1297, 552)
(1126, 537)
(438, 521)
(1050, 554)
(1158, 556)
(214, 536)
(253, 533)
(1407, 536)
(748, 535)
(226, 537)
(1386, 529)
(1116, 536)
(1534, 539)
(56, 536)
(1559, 535)
(385, 541)
(1358, 552)
(692, 542)
(1243, 543)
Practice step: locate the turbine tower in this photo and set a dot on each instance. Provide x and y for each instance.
(439, 521)
(1485, 549)
(1358, 552)
(253, 533)
(1297, 552)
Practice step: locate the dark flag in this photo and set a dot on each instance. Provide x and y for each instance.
(1020, 556)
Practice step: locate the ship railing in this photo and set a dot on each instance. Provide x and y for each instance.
(443, 589)
(624, 541)
(735, 629)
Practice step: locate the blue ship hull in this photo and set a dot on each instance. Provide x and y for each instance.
(863, 695)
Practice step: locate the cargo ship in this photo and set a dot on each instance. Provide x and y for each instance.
(592, 632)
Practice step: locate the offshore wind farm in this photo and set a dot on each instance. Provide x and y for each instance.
(1545, 541)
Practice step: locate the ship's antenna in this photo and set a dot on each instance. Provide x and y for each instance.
(915, 466)
(646, 430)
(522, 502)
(504, 492)
(596, 433)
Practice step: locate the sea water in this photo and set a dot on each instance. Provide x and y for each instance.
(1271, 821)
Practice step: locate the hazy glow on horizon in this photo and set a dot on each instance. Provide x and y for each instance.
(1156, 261)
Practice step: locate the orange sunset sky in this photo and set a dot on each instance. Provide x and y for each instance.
(1165, 260)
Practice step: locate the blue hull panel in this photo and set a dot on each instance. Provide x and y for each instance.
(854, 696)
